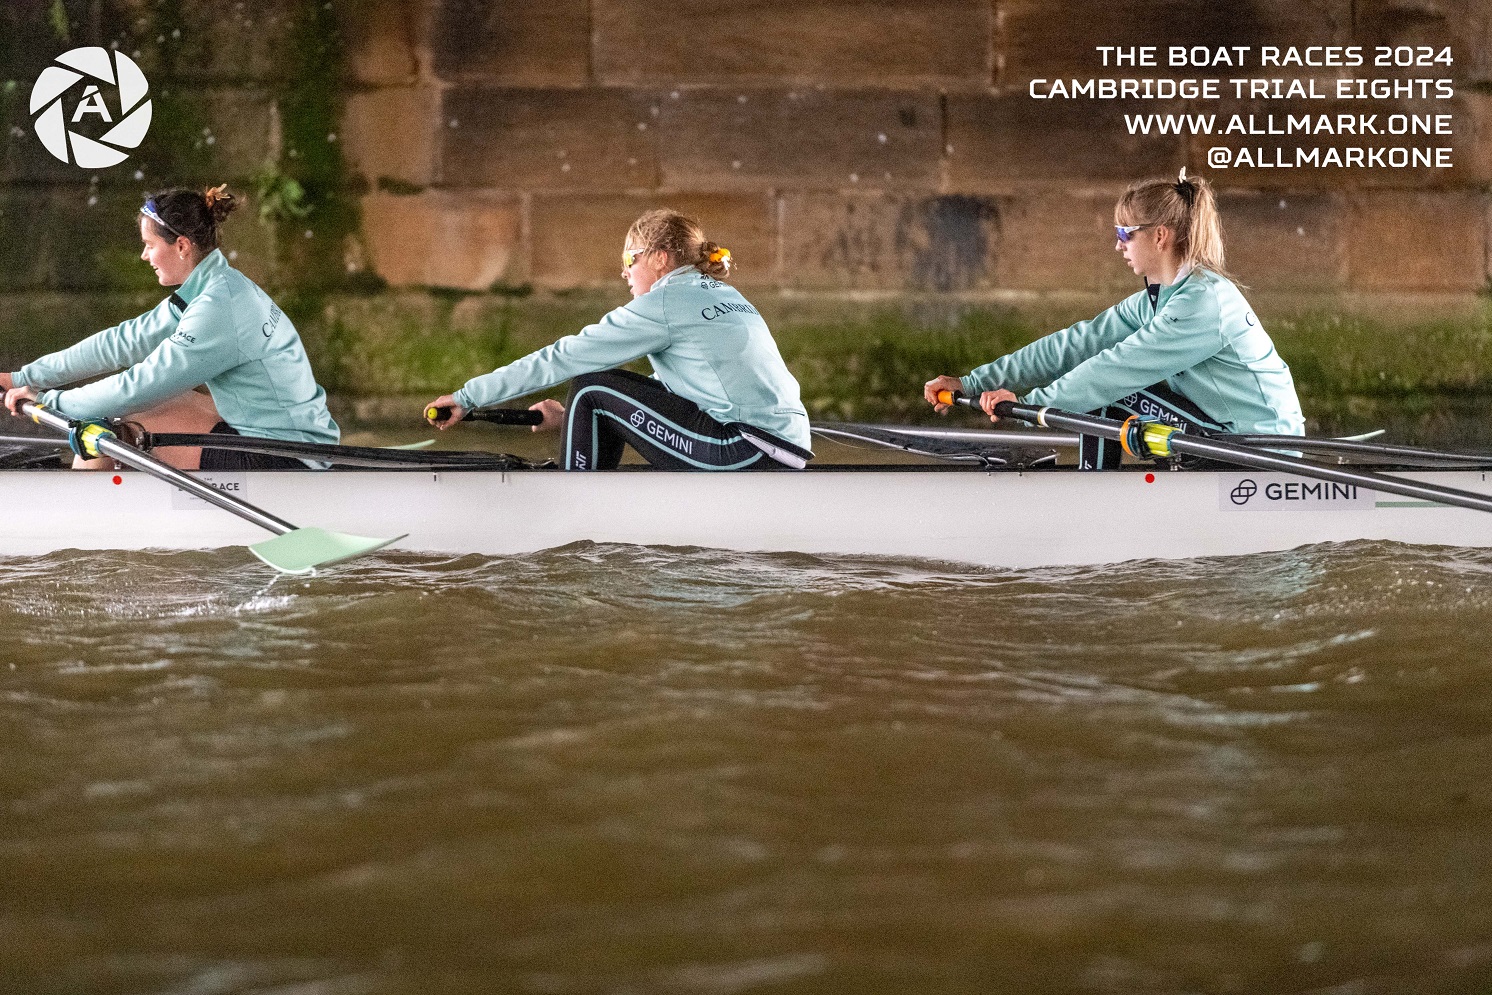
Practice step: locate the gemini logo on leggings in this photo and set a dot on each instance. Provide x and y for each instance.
(670, 438)
(1142, 405)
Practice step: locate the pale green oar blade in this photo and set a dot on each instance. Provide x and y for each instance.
(306, 549)
(422, 444)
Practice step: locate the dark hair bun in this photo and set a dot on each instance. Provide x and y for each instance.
(192, 215)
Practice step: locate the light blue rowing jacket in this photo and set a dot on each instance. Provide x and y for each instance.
(706, 344)
(1200, 337)
(217, 329)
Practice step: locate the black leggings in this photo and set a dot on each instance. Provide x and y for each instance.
(614, 408)
(1157, 401)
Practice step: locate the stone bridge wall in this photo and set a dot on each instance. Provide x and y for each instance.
(835, 145)
(886, 146)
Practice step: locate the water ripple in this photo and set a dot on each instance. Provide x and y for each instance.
(618, 768)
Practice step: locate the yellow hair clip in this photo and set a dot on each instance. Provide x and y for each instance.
(720, 255)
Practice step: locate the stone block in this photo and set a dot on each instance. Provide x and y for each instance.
(1286, 240)
(33, 32)
(23, 159)
(30, 40)
(577, 240)
(888, 242)
(212, 135)
(386, 40)
(249, 244)
(601, 140)
(198, 135)
(1417, 241)
(40, 322)
(229, 41)
(1035, 42)
(1060, 242)
(71, 238)
(195, 133)
(393, 134)
(465, 241)
(1473, 142)
(513, 43)
(838, 43)
(1464, 25)
(811, 138)
(1001, 144)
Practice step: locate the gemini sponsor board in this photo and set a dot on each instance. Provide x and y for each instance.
(1282, 492)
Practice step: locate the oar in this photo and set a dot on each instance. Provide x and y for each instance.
(293, 550)
(29, 440)
(1150, 439)
(498, 416)
(1352, 447)
(954, 446)
(1349, 445)
(344, 455)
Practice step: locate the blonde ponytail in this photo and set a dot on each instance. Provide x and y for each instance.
(1188, 207)
(684, 241)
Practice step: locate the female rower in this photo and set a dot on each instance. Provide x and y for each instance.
(722, 399)
(1187, 349)
(216, 329)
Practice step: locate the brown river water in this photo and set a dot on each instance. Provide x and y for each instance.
(634, 770)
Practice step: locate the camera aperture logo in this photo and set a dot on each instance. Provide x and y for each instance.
(88, 91)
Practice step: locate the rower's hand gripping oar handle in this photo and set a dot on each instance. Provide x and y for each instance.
(83, 437)
(498, 416)
(1005, 409)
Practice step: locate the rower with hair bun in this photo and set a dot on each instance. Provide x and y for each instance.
(1187, 350)
(722, 398)
(218, 329)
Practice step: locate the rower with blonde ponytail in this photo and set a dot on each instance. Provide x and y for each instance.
(1187, 349)
(721, 397)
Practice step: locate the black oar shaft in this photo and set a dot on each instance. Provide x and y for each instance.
(129, 456)
(1349, 447)
(1229, 453)
(342, 455)
(508, 416)
(27, 440)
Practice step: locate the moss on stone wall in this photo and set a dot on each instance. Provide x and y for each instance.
(309, 92)
(1424, 373)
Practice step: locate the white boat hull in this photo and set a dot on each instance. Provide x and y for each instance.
(1001, 518)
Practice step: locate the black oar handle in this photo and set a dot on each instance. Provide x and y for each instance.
(957, 397)
(1005, 409)
(498, 416)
